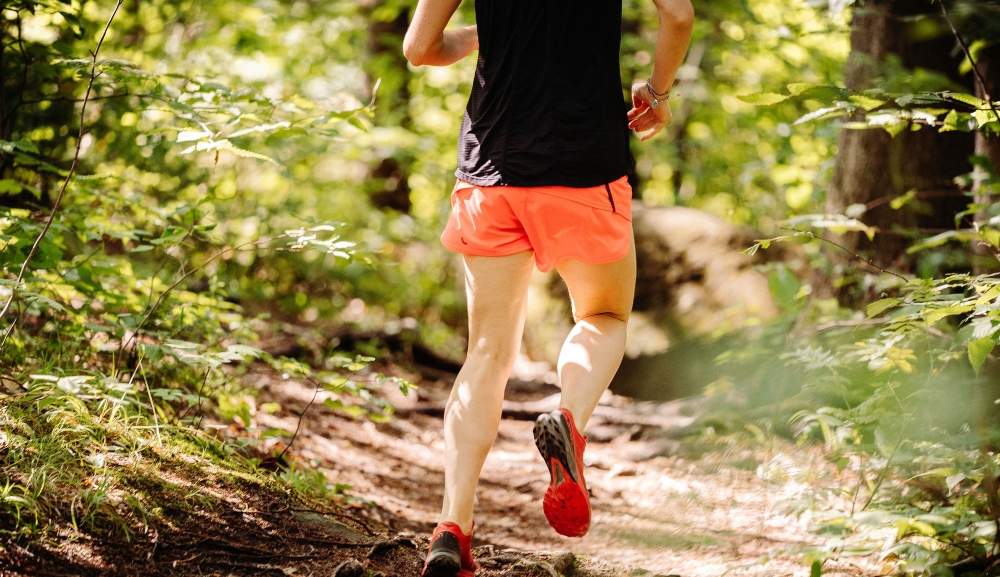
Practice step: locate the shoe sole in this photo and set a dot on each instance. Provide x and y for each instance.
(441, 566)
(566, 503)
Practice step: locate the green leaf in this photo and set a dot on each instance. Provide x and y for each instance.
(192, 135)
(8, 186)
(894, 129)
(949, 311)
(821, 114)
(817, 569)
(47, 256)
(923, 528)
(356, 123)
(152, 352)
(351, 410)
(950, 122)
(171, 234)
(242, 152)
(879, 307)
(762, 98)
(901, 201)
(954, 480)
(800, 87)
(116, 64)
(988, 295)
(966, 99)
(263, 128)
(866, 102)
(22, 145)
(784, 286)
(934, 241)
(984, 117)
(215, 87)
(824, 93)
(46, 302)
(245, 351)
(979, 349)
(991, 235)
(225, 144)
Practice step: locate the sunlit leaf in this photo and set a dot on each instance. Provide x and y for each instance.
(22, 145)
(966, 99)
(763, 98)
(979, 350)
(984, 117)
(191, 135)
(866, 102)
(954, 480)
(879, 307)
(822, 113)
(950, 122)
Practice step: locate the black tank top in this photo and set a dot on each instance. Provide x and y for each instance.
(547, 106)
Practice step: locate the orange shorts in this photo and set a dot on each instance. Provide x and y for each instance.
(592, 224)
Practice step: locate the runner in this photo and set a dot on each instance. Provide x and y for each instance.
(543, 164)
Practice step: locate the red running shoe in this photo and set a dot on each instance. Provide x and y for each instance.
(566, 503)
(450, 553)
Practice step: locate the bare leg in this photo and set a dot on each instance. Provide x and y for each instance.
(497, 289)
(602, 301)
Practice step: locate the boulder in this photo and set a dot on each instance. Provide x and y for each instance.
(693, 276)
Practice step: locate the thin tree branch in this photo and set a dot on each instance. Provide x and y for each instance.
(198, 415)
(301, 416)
(972, 62)
(921, 194)
(149, 313)
(867, 261)
(72, 169)
(74, 100)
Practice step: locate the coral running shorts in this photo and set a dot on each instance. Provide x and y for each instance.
(592, 224)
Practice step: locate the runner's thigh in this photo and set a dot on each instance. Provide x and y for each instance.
(601, 289)
(497, 289)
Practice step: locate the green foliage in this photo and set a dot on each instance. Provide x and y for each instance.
(749, 165)
(124, 339)
(901, 400)
(893, 112)
(896, 404)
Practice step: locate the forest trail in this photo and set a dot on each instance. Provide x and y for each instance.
(661, 506)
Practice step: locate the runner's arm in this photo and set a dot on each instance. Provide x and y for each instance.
(676, 20)
(673, 37)
(426, 40)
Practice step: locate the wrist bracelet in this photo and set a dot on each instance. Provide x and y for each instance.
(657, 96)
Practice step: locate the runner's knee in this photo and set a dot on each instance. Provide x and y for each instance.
(492, 350)
(617, 315)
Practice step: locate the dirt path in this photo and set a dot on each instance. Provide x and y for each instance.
(661, 507)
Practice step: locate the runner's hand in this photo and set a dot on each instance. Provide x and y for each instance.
(643, 117)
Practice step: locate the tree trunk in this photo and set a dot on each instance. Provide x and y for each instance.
(987, 145)
(873, 167)
(387, 184)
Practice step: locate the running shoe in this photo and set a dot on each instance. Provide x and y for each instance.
(450, 553)
(566, 503)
